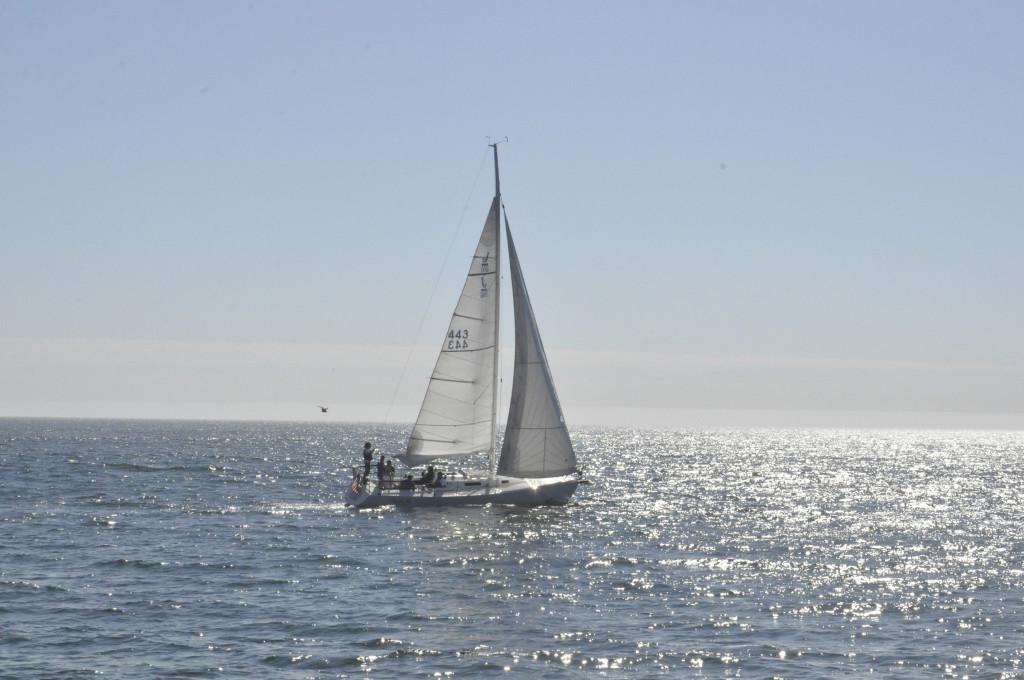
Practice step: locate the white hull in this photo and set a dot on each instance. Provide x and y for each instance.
(468, 491)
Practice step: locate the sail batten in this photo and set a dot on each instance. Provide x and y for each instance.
(450, 425)
(478, 349)
(460, 391)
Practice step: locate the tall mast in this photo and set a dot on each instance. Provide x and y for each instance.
(497, 179)
(497, 322)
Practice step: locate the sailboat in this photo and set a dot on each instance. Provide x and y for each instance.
(536, 464)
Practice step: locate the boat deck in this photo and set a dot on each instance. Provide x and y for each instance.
(466, 491)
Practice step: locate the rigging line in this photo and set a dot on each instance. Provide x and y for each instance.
(433, 290)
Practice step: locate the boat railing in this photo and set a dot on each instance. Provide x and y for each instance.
(362, 482)
(419, 490)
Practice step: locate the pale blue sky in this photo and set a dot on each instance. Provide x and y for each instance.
(777, 182)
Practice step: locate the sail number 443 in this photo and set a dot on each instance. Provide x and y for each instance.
(458, 339)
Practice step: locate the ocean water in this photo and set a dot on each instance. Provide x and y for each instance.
(161, 549)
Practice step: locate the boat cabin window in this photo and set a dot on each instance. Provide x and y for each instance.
(472, 484)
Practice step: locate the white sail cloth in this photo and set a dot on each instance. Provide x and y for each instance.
(458, 409)
(536, 440)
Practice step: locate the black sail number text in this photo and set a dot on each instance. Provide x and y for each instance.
(458, 339)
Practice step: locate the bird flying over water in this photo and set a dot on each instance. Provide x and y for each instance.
(323, 409)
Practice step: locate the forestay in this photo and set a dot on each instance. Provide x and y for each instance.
(536, 439)
(458, 409)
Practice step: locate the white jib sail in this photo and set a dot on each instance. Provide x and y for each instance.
(457, 412)
(536, 440)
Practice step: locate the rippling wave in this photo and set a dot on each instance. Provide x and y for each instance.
(141, 549)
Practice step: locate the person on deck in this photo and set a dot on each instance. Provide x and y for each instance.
(389, 475)
(367, 460)
(381, 467)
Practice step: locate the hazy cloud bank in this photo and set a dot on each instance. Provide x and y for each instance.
(284, 381)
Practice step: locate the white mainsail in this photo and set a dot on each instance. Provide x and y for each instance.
(536, 440)
(457, 414)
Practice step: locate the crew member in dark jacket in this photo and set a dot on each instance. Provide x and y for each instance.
(367, 460)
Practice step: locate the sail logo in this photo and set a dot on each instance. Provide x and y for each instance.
(483, 288)
(485, 264)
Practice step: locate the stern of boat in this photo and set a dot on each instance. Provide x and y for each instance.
(358, 492)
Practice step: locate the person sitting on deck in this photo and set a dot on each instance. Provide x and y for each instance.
(406, 484)
(429, 476)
